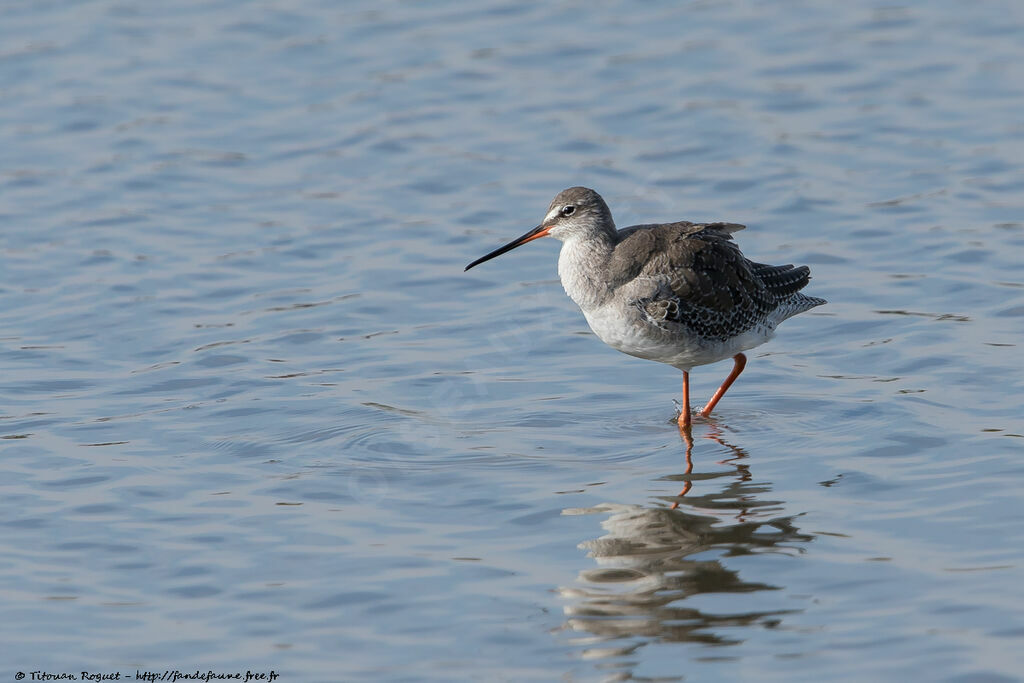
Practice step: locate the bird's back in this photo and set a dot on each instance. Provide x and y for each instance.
(699, 283)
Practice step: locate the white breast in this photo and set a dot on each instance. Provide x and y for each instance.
(578, 268)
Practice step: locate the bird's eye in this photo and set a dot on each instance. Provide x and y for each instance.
(567, 210)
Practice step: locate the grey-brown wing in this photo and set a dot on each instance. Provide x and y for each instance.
(706, 285)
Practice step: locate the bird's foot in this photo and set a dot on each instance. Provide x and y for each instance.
(684, 419)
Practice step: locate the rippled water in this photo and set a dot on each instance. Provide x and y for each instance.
(254, 416)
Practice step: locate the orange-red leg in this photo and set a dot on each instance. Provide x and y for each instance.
(740, 362)
(684, 414)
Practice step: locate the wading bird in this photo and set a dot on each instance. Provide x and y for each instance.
(677, 293)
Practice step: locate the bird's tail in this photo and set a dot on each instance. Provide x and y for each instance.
(795, 303)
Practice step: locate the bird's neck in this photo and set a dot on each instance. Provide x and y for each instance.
(582, 267)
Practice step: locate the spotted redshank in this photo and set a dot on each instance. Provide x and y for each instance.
(677, 293)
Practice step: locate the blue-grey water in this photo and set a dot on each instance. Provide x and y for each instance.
(254, 416)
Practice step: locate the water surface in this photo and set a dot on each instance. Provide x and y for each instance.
(253, 415)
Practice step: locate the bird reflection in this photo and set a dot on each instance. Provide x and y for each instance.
(651, 560)
(736, 459)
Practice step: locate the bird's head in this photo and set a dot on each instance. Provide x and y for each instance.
(576, 213)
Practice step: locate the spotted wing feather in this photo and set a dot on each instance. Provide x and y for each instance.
(782, 281)
(704, 283)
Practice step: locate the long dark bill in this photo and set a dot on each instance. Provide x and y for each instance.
(536, 233)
